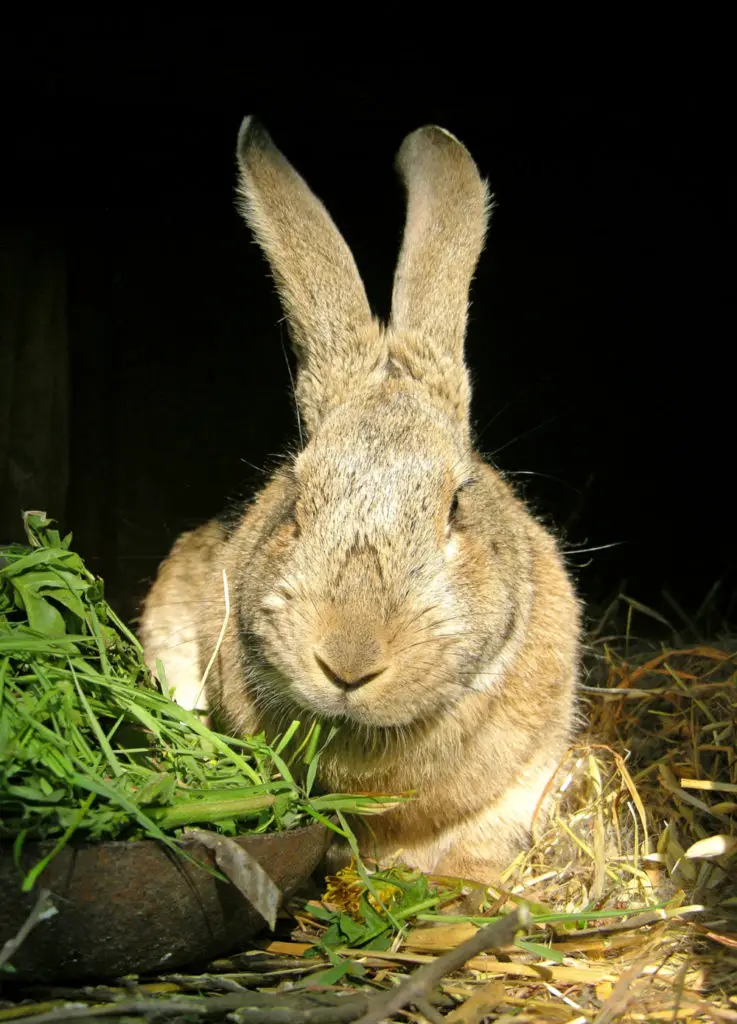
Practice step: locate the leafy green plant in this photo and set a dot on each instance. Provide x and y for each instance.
(89, 745)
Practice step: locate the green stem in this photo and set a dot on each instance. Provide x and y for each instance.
(193, 811)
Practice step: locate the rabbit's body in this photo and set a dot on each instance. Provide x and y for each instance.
(386, 579)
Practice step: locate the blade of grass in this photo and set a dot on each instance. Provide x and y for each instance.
(31, 876)
(115, 766)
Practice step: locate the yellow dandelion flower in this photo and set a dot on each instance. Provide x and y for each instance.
(345, 889)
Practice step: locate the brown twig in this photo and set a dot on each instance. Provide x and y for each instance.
(418, 986)
(41, 909)
(274, 1008)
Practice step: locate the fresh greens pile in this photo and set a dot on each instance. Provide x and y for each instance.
(90, 747)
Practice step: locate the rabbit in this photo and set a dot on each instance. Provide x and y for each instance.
(386, 580)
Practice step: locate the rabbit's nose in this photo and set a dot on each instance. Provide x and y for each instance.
(350, 658)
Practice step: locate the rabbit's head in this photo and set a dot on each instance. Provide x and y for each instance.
(386, 570)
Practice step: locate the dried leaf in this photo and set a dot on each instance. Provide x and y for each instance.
(444, 936)
(479, 1005)
(244, 871)
(712, 846)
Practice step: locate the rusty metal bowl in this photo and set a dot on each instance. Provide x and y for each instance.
(137, 908)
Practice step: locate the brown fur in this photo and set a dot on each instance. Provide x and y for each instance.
(439, 633)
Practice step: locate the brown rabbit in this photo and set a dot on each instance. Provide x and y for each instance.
(386, 580)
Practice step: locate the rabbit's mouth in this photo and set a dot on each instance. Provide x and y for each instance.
(380, 702)
(363, 672)
(337, 703)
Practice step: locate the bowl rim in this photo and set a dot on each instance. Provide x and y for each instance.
(6, 844)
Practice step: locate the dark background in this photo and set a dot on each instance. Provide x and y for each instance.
(142, 362)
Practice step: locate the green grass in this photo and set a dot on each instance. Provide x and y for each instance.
(91, 749)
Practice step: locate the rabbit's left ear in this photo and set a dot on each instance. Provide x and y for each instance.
(447, 216)
(339, 345)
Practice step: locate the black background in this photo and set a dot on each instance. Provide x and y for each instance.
(601, 335)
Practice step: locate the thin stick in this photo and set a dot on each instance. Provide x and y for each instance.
(42, 908)
(221, 637)
(420, 984)
(723, 787)
(258, 1007)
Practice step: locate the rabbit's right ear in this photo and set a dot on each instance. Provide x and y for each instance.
(447, 215)
(337, 341)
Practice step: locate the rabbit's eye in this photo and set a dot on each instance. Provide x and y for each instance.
(453, 513)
